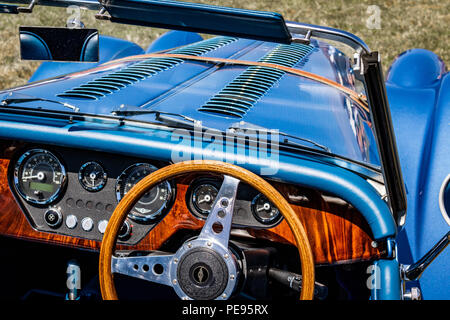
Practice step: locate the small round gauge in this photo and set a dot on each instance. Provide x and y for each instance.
(152, 204)
(264, 211)
(92, 176)
(39, 176)
(203, 197)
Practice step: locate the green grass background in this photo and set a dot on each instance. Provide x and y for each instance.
(404, 25)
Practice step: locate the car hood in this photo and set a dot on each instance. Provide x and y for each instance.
(286, 102)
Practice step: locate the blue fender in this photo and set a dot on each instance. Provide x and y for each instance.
(110, 49)
(418, 89)
(173, 39)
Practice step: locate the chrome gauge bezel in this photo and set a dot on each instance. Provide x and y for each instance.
(155, 215)
(204, 213)
(194, 185)
(272, 221)
(17, 169)
(104, 177)
(442, 207)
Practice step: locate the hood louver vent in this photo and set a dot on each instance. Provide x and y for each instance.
(142, 70)
(243, 92)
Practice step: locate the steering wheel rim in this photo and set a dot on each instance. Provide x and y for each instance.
(119, 215)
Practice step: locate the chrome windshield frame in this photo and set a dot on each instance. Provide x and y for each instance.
(310, 30)
(372, 74)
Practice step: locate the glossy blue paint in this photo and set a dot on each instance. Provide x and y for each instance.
(165, 145)
(385, 281)
(419, 96)
(328, 118)
(416, 68)
(110, 48)
(173, 39)
(136, 94)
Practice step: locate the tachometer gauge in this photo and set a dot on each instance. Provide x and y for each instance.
(39, 176)
(264, 211)
(92, 176)
(151, 205)
(203, 197)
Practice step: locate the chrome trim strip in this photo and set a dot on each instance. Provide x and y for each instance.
(349, 39)
(88, 4)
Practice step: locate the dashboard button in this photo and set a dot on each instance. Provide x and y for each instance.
(99, 206)
(80, 203)
(102, 226)
(87, 224)
(71, 221)
(90, 205)
(53, 218)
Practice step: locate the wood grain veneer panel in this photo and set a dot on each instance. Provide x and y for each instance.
(337, 232)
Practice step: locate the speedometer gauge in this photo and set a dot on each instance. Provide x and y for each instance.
(152, 204)
(39, 176)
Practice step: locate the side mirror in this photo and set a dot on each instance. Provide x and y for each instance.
(59, 44)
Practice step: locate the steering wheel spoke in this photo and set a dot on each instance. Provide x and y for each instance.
(218, 224)
(153, 267)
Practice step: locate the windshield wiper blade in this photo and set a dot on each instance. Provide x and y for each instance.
(287, 141)
(17, 98)
(161, 116)
(240, 127)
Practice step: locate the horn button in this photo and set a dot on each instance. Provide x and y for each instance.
(202, 274)
(204, 270)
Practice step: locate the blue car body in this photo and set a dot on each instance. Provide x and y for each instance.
(418, 88)
(166, 84)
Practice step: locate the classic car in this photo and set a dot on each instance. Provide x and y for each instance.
(239, 156)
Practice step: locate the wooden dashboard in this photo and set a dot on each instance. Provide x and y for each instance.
(337, 232)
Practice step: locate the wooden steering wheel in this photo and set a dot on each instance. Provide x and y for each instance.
(211, 245)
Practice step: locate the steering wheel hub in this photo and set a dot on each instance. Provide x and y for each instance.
(204, 271)
(202, 274)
